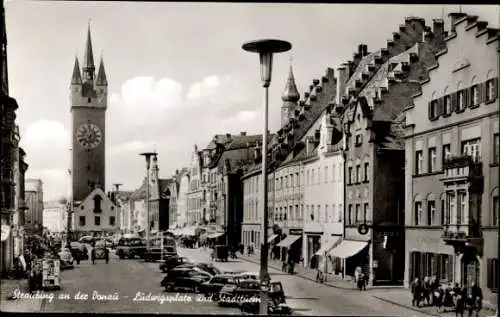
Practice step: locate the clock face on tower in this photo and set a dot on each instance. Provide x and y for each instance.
(89, 136)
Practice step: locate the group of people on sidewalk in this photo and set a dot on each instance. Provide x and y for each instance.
(430, 292)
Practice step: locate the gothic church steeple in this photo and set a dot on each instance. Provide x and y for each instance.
(290, 98)
(101, 75)
(76, 78)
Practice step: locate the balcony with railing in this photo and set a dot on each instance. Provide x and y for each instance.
(463, 168)
(462, 235)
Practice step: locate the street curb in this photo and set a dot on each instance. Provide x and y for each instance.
(302, 276)
(404, 306)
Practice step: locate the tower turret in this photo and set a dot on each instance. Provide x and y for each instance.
(88, 61)
(76, 78)
(101, 75)
(290, 98)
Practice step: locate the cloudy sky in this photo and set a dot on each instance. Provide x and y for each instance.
(177, 74)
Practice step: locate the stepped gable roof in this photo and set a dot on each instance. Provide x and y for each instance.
(240, 141)
(394, 140)
(367, 60)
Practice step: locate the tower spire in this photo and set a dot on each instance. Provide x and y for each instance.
(88, 62)
(290, 93)
(76, 78)
(101, 74)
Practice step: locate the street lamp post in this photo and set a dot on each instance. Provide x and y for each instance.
(147, 155)
(265, 48)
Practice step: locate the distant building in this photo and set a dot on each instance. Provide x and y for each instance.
(34, 204)
(195, 196)
(181, 219)
(55, 217)
(452, 157)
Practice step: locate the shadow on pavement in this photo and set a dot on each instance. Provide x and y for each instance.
(302, 298)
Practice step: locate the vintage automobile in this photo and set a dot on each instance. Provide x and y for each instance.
(130, 247)
(186, 278)
(100, 251)
(215, 284)
(220, 253)
(248, 276)
(174, 261)
(207, 267)
(87, 240)
(159, 250)
(65, 258)
(79, 250)
(276, 305)
(246, 293)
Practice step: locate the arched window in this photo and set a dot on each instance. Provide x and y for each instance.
(417, 210)
(460, 98)
(431, 218)
(447, 102)
(495, 209)
(97, 204)
(491, 90)
(475, 93)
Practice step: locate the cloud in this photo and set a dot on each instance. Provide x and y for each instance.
(132, 147)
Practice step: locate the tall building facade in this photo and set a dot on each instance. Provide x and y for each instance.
(34, 204)
(452, 155)
(89, 101)
(55, 217)
(196, 196)
(182, 198)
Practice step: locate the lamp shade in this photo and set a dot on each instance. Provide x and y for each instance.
(266, 48)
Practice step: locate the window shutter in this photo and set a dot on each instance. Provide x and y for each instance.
(429, 112)
(482, 92)
(470, 92)
(490, 269)
(454, 102)
(440, 107)
(466, 97)
(495, 89)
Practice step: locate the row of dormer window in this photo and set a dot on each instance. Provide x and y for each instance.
(471, 97)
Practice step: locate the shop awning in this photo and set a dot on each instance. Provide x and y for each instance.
(348, 248)
(272, 238)
(215, 235)
(288, 241)
(330, 243)
(5, 232)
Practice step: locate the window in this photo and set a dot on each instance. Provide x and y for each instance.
(492, 275)
(461, 207)
(359, 139)
(326, 174)
(490, 90)
(496, 148)
(112, 220)
(472, 148)
(446, 152)
(358, 173)
(367, 171)
(433, 107)
(349, 215)
(341, 212)
(82, 221)
(418, 213)
(97, 204)
(319, 176)
(326, 213)
(97, 220)
(447, 105)
(475, 95)
(358, 213)
(432, 159)
(495, 210)
(450, 205)
(419, 162)
(365, 212)
(460, 100)
(431, 212)
(350, 176)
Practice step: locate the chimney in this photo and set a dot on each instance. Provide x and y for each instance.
(356, 58)
(342, 76)
(438, 30)
(243, 133)
(364, 50)
(454, 17)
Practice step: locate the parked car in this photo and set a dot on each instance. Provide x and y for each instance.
(65, 258)
(248, 276)
(159, 249)
(242, 289)
(233, 272)
(130, 247)
(215, 284)
(189, 278)
(87, 240)
(174, 261)
(79, 249)
(276, 304)
(207, 267)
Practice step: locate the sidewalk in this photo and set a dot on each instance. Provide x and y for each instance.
(9, 304)
(396, 295)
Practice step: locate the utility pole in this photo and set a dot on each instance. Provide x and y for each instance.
(118, 205)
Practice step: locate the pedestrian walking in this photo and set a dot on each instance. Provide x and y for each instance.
(365, 281)
(476, 300)
(360, 281)
(416, 289)
(460, 302)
